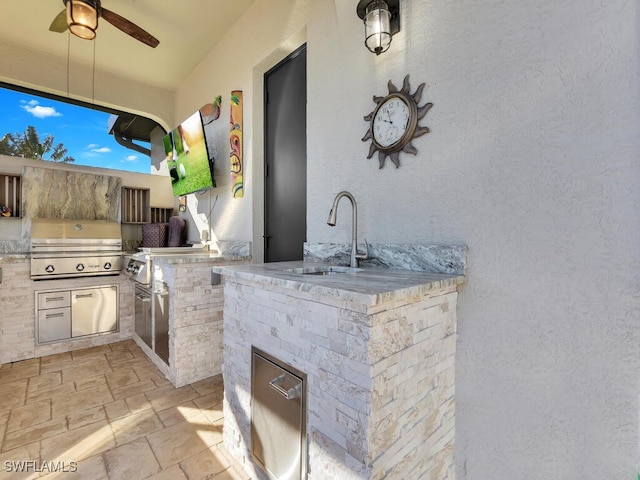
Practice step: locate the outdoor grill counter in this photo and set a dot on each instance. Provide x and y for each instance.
(63, 248)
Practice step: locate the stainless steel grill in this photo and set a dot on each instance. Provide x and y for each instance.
(62, 248)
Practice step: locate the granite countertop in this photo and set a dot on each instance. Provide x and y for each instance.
(176, 258)
(367, 286)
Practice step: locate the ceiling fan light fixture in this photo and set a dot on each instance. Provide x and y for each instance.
(82, 18)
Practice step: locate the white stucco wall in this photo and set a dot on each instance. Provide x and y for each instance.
(531, 162)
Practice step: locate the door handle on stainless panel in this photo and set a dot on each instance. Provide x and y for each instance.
(54, 315)
(290, 394)
(53, 299)
(85, 295)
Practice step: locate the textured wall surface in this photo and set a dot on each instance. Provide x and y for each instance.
(532, 162)
(51, 193)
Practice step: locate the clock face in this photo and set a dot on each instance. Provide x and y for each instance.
(393, 124)
(390, 121)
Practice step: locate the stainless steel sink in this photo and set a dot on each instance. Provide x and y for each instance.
(328, 270)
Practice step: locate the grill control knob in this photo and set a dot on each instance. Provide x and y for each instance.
(49, 269)
(107, 266)
(80, 267)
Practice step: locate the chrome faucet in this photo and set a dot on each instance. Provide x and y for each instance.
(355, 256)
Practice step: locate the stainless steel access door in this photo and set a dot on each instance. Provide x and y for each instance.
(278, 418)
(94, 310)
(161, 322)
(143, 317)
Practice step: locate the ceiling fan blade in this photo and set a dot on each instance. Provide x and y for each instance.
(129, 28)
(59, 23)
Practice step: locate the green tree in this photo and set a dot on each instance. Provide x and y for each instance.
(28, 145)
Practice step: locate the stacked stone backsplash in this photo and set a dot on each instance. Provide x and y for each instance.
(52, 193)
(450, 259)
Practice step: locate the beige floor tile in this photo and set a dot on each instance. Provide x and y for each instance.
(171, 473)
(86, 417)
(134, 460)
(112, 411)
(91, 382)
(125, 345)
(34, 433)
(91, 352)
(179, 413)
(67, 404)
(91, 468)
(231, 474)
(135, 426)
(213, 413)
(205, 464)
(209, 385)
(76, 445)
(13, 398)
(20, 370)
(238, 472)
(30, 414)
(207, 401)
(50, 392)
(169, 396)
(21, 383)
(183, 440)
(138, 403)
(121, 378)
(146, 370)
(89, 367)
(12, 470)
(117, 357)
(160, 381)
(56, 362)
(56, 358)
(116, 410)
(133, 389)
(46, 380)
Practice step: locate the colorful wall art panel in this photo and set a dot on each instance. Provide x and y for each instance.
(235, 138)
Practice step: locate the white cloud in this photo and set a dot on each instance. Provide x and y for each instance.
(101, 150)
(92, 146)
(38, 111)
(131, 158)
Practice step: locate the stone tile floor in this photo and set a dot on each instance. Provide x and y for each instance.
(108, 413)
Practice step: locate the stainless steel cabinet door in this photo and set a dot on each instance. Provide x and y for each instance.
(161, 319)
(94, 310)
(278, 432)
(54, 324)
(143, 315)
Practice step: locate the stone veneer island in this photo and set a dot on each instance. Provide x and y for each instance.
(378, 348)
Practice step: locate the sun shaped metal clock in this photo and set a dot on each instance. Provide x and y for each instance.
(394, 123)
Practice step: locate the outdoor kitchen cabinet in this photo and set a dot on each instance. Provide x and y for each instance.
(54, 316)
(94, 310)
(68, 314)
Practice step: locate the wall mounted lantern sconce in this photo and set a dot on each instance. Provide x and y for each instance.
(381, 21)
(82, 17)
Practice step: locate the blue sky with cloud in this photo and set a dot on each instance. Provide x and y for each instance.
(83, 131)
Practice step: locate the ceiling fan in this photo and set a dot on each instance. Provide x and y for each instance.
(81, 17)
